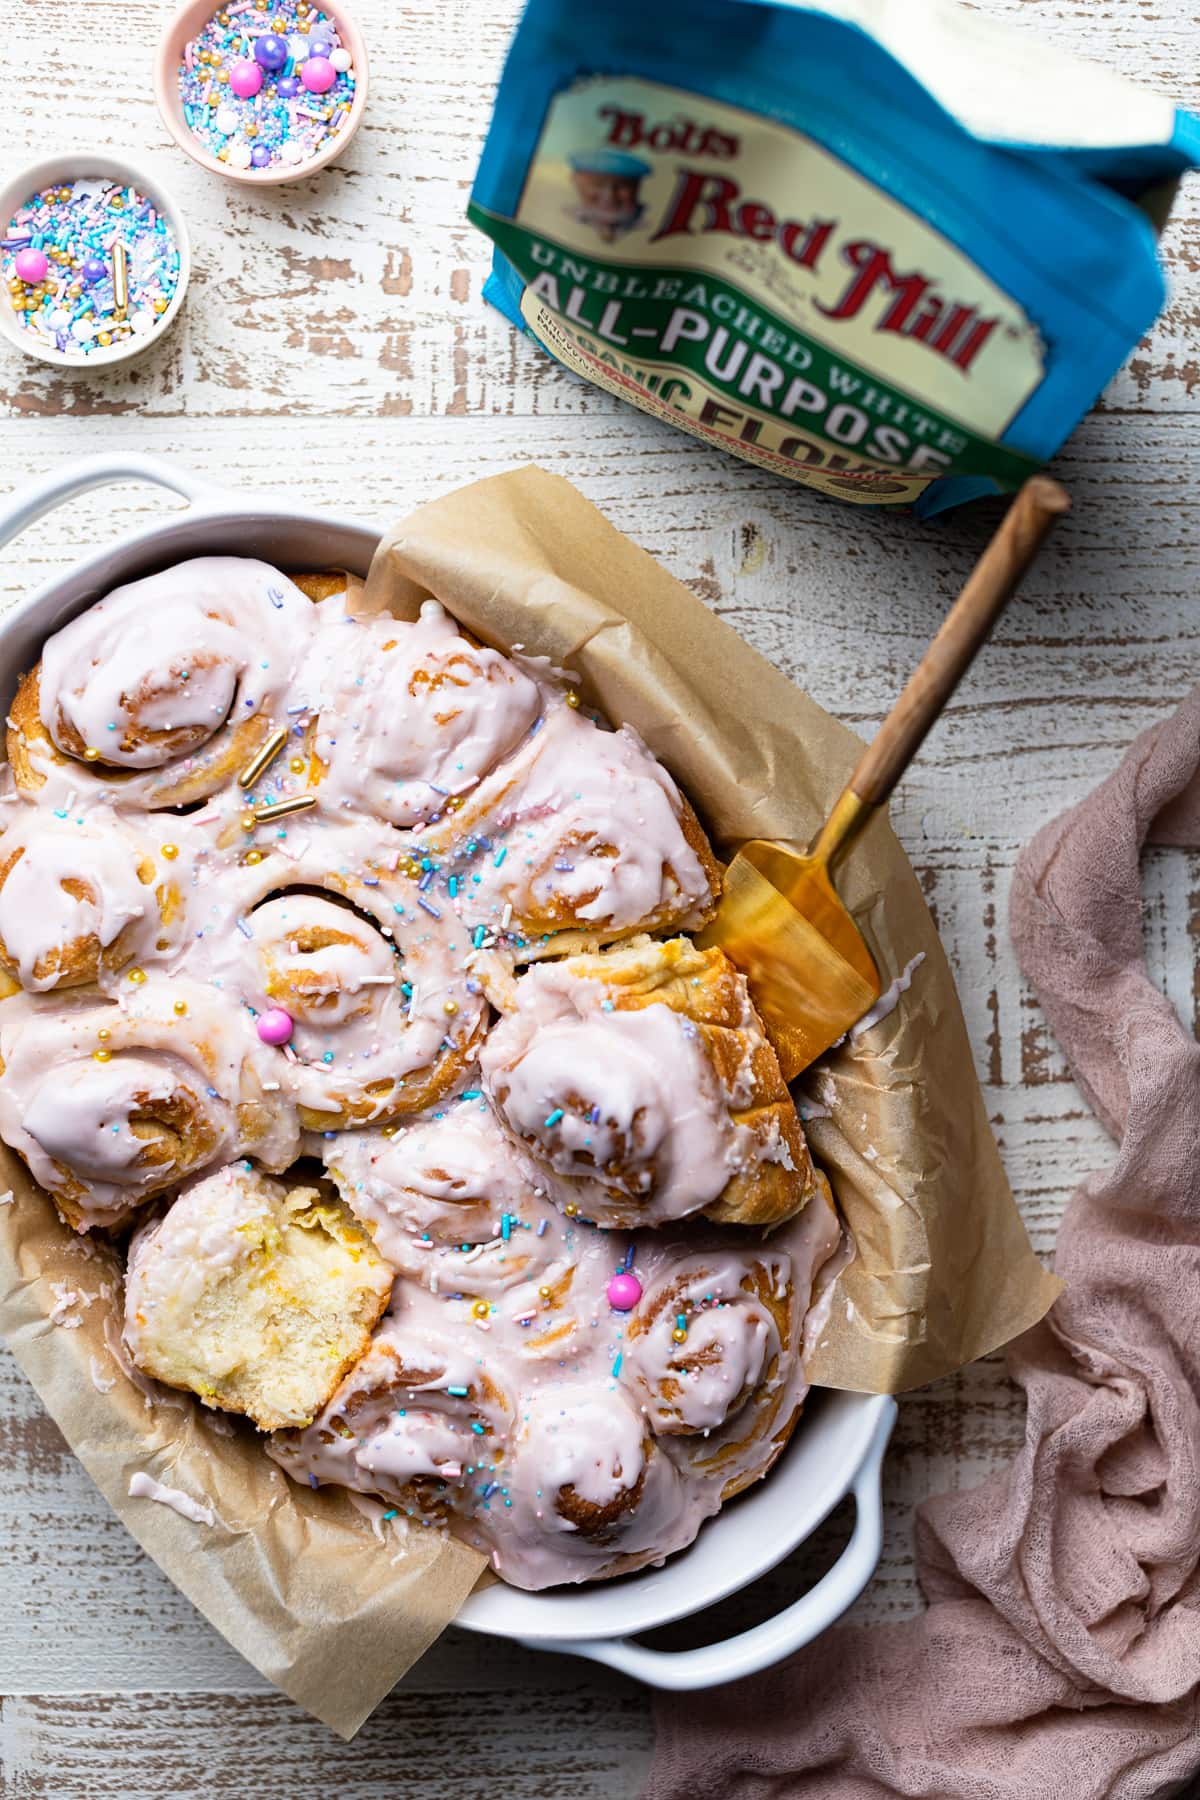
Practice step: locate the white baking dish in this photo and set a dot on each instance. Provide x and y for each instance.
(839, 1446)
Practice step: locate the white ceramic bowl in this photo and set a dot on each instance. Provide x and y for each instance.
(839, 1445)
(74, 165)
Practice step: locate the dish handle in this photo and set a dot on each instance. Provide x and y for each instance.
(27, 504)
(768, 1643)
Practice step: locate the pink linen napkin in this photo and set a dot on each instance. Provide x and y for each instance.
(1059, 1655)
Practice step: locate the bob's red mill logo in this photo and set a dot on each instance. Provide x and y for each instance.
(891, 298)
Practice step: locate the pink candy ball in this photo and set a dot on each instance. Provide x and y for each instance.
(275, 1026)
(318, 74)
(624, 1292)
(245, 78)
(31, 265)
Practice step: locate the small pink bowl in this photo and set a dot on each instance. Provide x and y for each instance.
(188, 22)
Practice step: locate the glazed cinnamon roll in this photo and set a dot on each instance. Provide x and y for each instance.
(591, 1492)
(415, 715)
(420, 1420)
(162, 691)
(579, 838)
(255, 1297)
(81, 898)
(109, 1104)
(714, 1348)
(451, 1200)
(385, 1017)
(642, 1081)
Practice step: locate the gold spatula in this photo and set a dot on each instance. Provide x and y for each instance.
(780, 919)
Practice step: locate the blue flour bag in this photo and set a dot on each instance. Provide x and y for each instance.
(888, 248)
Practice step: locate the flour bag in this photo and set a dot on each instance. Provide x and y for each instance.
(888, 248)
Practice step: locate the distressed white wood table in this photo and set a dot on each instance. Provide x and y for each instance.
(335, 343)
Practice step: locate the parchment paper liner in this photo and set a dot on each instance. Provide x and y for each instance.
(296, 1580)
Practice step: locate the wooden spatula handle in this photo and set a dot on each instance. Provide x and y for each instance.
(990, 586)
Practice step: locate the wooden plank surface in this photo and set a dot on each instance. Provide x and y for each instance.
(335, 344)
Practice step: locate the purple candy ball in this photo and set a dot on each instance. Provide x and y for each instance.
(260, 156)
(94, 269)
(320, 46)
(270, 52)
(288, 88)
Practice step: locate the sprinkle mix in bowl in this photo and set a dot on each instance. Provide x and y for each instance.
(267, 87)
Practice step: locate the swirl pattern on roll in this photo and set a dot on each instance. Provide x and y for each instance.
(642, 1080)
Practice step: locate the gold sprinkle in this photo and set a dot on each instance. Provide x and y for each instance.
(104, 1033)
(297, 765)
(180, 1007)
(137, 975)
(120, 272)
(170, 851)
(572, 699)
(544, 1293)
(480, 1309)
(679, 1334)
(247, 821)
(456, 802)
(266, 753)
(451, 1007)
(102, 1055)
(390, 1130)
(91, 755)
(282, 808)
(252, 857)
(571, 1209)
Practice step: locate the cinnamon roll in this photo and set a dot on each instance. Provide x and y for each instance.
(420, 1420)
(385, 1018)
(642, 1081)
(451, 1200)
(255, 1297)
(578, 838)
(109, 1104)
(414, 716)
(713, 1349)
(161, 691)
(81, 898)
(592, 1494)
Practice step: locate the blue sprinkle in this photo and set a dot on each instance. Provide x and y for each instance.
(616, 1368)
(452, 884)
(425, 880)
(244, 929)
(389, 1514)
(499, 858)
(505, 1227)
(480, 934)
(541, 1230)
(476, 1427)
(431, 910)
(460, 1393)
(312, 1480)
(553, 1118)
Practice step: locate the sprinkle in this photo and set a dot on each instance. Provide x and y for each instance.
(459, 1393)
(553, 1118)
(282, 808)
(476, 1427)
(389, 1514)
(616, 1368)
(425, 905)
(505, 1227)
(267, 751)
(480, 934)
(499, 857)
(541, 1230)
(243, 927)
